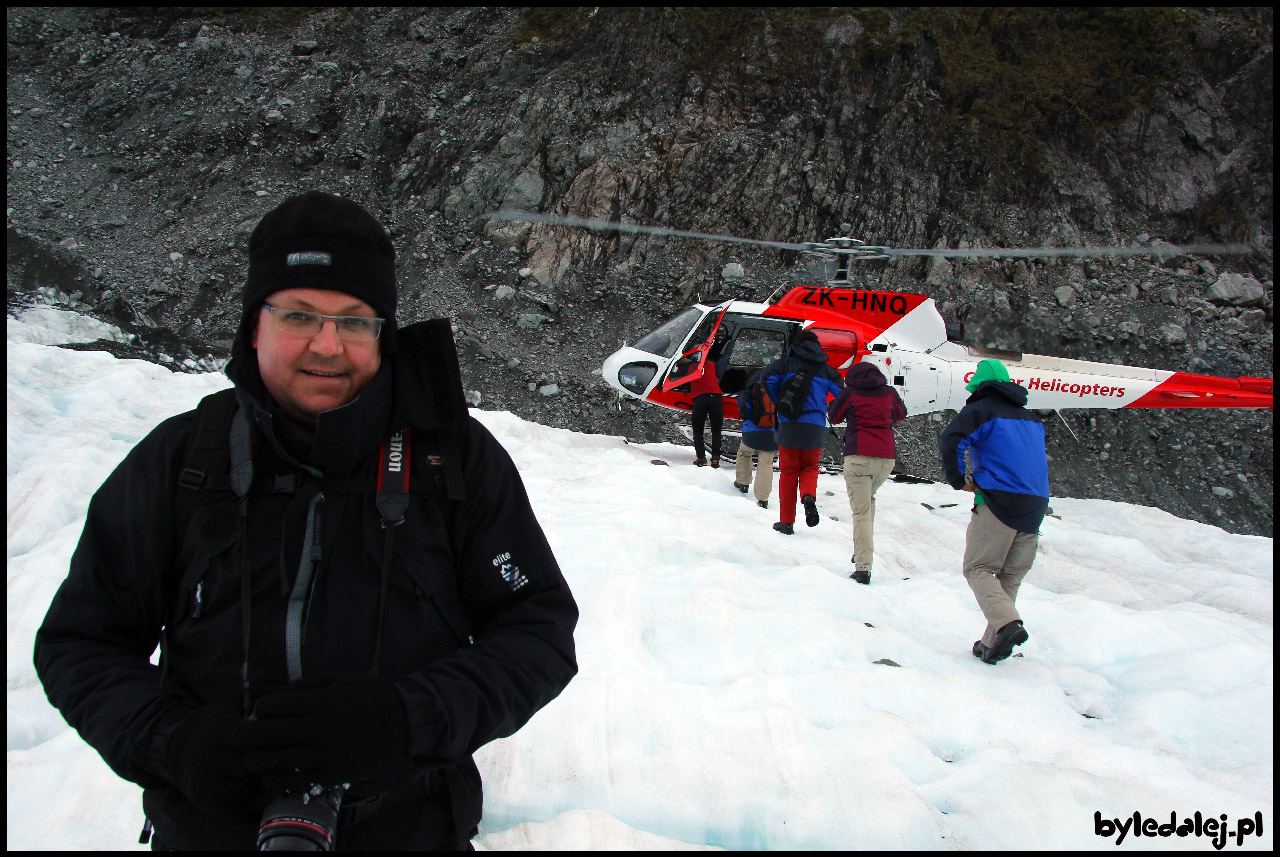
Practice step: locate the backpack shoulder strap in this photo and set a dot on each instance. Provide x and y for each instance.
(208, 452)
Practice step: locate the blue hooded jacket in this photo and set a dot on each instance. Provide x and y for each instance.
(1005, 442)
(810, 429)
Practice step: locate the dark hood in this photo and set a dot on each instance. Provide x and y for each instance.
(810, 351)
(865, 376)
(420, 385)
(1004, 389)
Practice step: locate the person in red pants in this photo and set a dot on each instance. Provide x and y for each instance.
(801, 384)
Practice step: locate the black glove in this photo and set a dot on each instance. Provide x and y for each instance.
(208, 767)
(327, 732)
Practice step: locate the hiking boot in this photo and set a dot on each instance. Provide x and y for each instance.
(863, 577)
(1012, 634)
(763, 504)
(715, 462)
(785, 529)
(979, 650)
(810, 509)
(701, 462)
(741, 487)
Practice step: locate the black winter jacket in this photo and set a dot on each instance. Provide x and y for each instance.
(477, 632)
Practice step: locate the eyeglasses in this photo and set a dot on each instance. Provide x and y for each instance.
(351, 328)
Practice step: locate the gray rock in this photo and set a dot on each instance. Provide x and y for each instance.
(1238, 290)
(526, 191)
(1252, 319)
(846, 30)
(1066, 296)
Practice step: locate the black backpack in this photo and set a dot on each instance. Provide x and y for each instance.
(760, 407)
(793, 395)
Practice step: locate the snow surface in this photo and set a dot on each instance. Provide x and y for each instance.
(729, 693)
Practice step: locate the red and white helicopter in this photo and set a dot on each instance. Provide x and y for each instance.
(903, 334)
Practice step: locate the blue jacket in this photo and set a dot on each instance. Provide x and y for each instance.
(1005, 442)
(753, 436)
(810, 430)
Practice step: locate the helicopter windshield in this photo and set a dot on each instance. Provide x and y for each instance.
(666, 339)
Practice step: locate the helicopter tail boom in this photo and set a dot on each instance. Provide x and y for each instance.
(1185, 390)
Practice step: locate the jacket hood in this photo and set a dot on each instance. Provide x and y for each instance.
(420, 386)
(988, 370)
(865, 376)
(1005, 389)
(810, 351)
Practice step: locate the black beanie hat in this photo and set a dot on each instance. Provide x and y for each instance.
(321, 241)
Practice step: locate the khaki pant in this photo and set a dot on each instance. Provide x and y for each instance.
(764, 470)
(996, 559)
(863, 476)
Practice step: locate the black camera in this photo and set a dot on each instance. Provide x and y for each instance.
(302, 821)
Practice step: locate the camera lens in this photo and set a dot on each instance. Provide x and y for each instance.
(301, 822)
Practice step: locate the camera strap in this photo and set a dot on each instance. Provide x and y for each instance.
(241, 480)
(392, 501)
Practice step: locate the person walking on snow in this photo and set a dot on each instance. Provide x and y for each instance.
(707, 402)
(1005, 443)
(762, 442)
(800, 437)
(871, 407)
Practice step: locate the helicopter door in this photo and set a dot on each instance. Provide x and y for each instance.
(756, 342)
(689, 366)
(916, 379)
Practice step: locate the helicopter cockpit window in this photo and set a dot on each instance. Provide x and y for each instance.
(753, 349)
(840, 346)
(703, 333)
(666, 339)
(841, 340)
(757, 348)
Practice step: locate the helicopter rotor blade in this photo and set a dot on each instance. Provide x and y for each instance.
(859, 251)
(616, 226)
(1166, 250)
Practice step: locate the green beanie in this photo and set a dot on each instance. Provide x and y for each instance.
(988, 370)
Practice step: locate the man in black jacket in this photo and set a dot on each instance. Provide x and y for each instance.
(341, 568)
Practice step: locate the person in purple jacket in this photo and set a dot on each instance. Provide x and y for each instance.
(871, 407)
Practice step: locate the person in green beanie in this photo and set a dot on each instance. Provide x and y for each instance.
(1005, 443)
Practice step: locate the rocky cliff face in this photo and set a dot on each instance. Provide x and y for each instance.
(144, 145)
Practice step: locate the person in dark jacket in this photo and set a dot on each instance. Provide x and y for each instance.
(1005, 444)
(800, 438)
(758, 443)
(708, 401)
(313, 631)
(871, 407)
